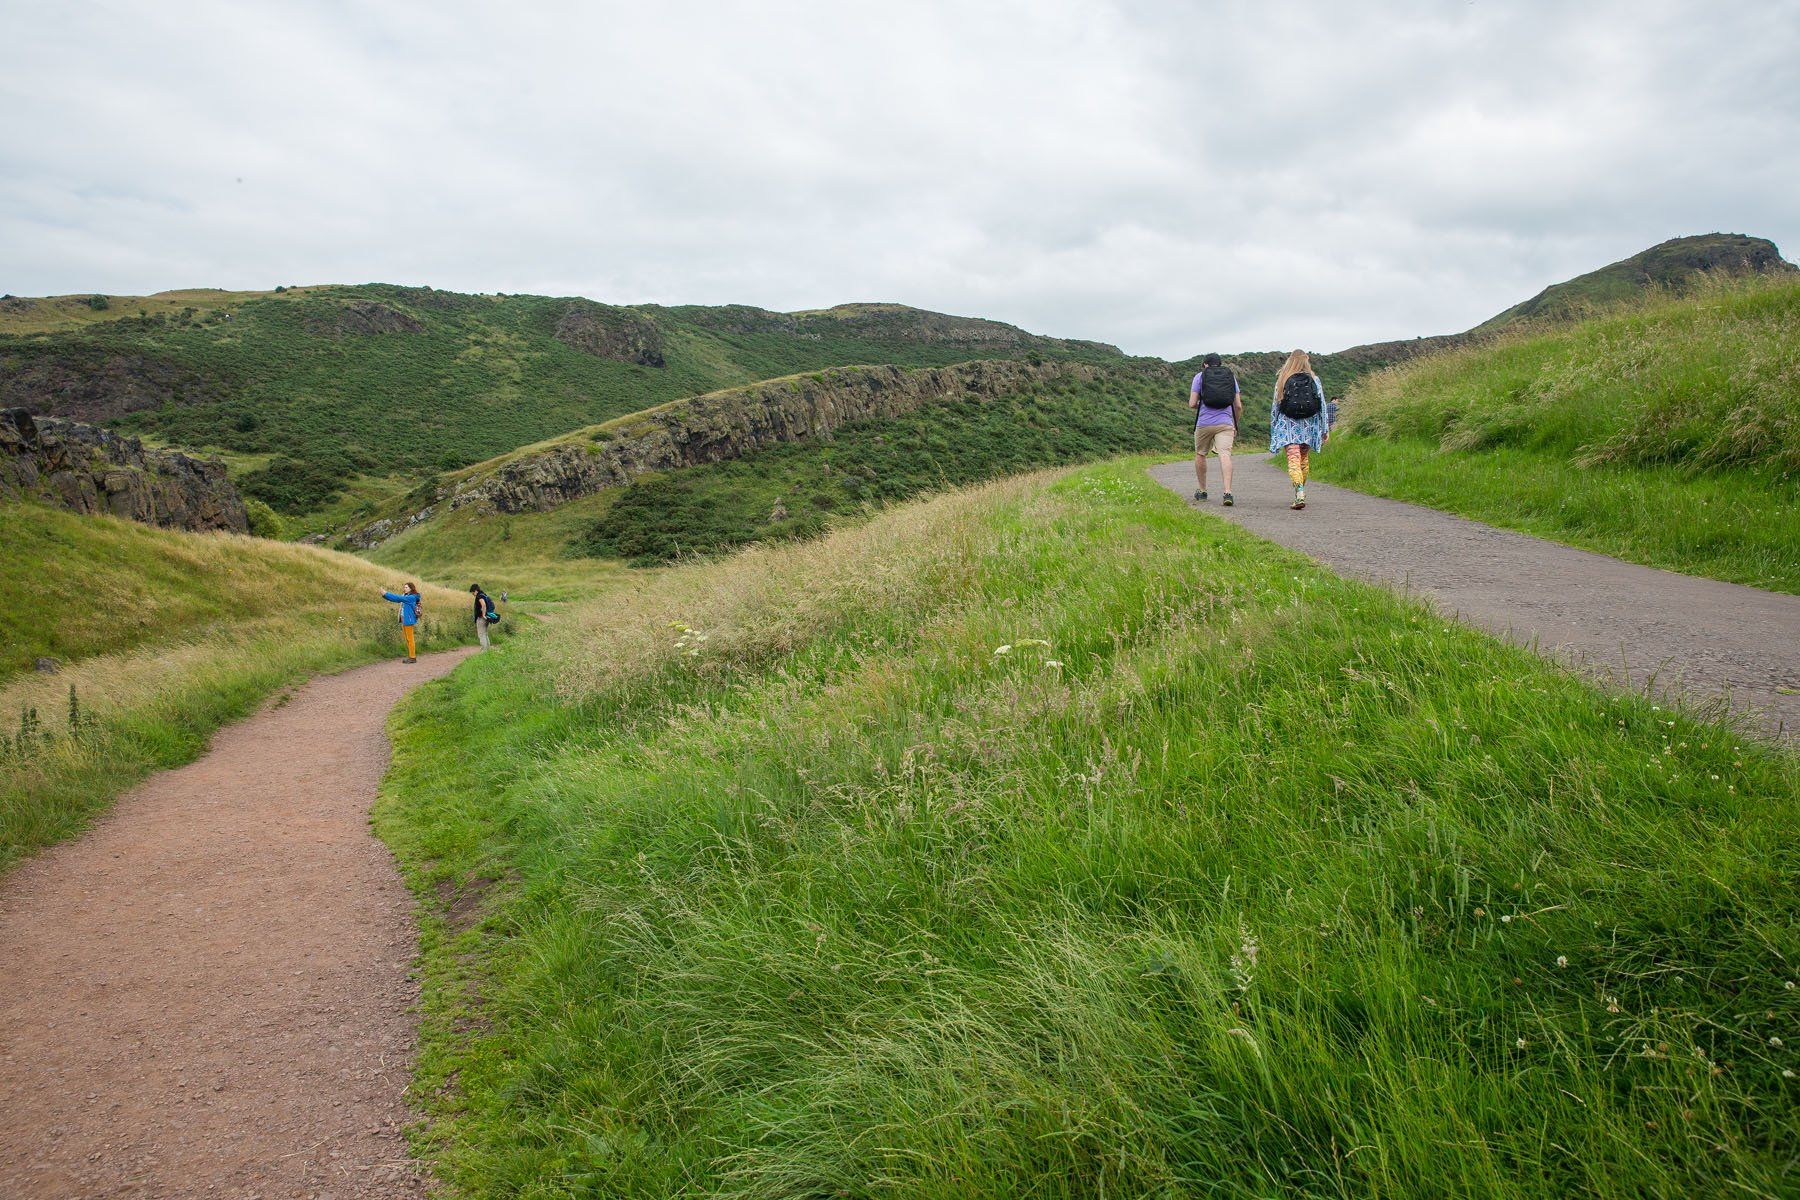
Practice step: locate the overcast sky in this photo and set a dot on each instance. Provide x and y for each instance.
(1170, 177)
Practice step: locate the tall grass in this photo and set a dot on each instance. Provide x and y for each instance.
(1047, 840)
(163, 637)
(1667, 434)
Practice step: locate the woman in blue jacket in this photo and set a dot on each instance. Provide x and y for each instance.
(410, 602)
(1298, 426)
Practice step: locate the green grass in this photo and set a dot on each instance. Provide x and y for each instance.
(163, 637)
(1666, 435)
(528, 555)
(799, 489)
(1228, 877)
(1737, 526)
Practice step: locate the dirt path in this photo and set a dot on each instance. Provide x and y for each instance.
(1628, 623)
(209, 993)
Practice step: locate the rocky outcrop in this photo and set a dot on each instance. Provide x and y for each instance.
(94, 385)
(92, 470)
(614, 333)
(361, 318)
(719, 426)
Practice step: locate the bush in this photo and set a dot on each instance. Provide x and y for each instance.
(264, 521)
(291, 486)
(99, 303)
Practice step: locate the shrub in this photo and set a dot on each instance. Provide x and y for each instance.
(264, 522)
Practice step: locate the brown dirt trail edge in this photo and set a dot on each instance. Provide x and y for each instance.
(208, 994)
(1629, 625)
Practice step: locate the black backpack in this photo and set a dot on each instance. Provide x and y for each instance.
(1218, 387)
(1299, 397)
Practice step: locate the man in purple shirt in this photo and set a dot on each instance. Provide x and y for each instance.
(1216, 397)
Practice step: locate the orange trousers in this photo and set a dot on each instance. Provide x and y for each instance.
(411, 646)
(1299, 463)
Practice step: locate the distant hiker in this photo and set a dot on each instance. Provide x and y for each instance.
(485, 613)
(1219, 404)
(1331, 412)
(410, 603)
(1297, 420)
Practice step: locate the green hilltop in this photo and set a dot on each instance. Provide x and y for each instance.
(1674, 265)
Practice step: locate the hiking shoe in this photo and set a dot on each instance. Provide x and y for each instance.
(1199, 495)
(1228, 500)
(412, 660)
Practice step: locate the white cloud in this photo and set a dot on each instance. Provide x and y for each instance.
(1166, 176)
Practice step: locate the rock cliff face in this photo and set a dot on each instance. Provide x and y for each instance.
(718, 426)
(614, 333)
(94, 385)
(365, 318)
(92, 470)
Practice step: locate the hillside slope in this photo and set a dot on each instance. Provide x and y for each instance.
(1052, 840)
(332, 401)
(162, 636)
(328, 383)
(1672, 266)
(1665, 434)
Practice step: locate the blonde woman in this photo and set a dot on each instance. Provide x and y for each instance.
(1297, 424)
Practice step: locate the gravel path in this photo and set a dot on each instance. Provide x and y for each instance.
(1632, 625)
(208, 994)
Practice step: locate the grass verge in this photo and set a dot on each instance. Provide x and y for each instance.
(1046, 839)
(1666, 434)
(1737, 526)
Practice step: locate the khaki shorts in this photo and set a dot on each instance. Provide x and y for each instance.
(1218, 438)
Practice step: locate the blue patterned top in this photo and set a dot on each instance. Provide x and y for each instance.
(1284, 431)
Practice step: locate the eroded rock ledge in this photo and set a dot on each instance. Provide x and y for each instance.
(91, 470)
(718, 426)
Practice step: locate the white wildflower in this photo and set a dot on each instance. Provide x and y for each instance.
(998, 650)
(1562, 960)
(1243, 963)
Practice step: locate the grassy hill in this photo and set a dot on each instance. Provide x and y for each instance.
(325, 384)
(1671, 266)
(163, 637)
(1048, 839)
(1666, 433)
(864, 437)
(800, 489)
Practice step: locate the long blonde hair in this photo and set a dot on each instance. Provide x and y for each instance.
(1297, 364)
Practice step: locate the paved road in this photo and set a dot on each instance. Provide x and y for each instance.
(209, 993)
(1633, 625)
